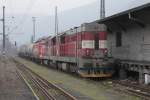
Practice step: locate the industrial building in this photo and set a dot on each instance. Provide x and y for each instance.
(129, 41)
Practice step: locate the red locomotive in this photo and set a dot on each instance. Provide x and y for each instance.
(81, 50)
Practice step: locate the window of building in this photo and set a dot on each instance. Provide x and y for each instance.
(118, 39)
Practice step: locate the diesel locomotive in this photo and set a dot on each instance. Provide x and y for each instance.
(82, 50)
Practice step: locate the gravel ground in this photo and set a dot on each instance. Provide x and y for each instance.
(12, 87)
(78, 86)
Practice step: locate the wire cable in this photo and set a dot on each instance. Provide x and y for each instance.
(28, 10)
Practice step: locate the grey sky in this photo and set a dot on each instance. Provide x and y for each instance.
(42, 7)
(45, 7)
(115, 6)
(71, 13)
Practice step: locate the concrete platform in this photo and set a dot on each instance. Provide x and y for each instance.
(12, 87)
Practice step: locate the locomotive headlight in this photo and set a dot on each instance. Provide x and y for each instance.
(87, 52)
(105, 52)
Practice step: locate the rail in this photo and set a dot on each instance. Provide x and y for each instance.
(49, 90)
(137, 90)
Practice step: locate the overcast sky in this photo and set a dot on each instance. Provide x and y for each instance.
(46, 7)
(23, 10)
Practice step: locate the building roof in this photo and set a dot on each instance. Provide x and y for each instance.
(44, 38)
(133, 10)
(133, 17)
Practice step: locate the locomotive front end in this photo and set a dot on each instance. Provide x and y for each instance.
(94, 61)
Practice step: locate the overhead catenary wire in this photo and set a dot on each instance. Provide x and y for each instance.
(28, 10)
(11, 7)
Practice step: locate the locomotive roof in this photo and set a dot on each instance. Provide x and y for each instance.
(43, 39)
(70, 31)
(76, 29)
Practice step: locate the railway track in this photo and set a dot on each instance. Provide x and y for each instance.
(133, 89)
(128, 88)
(49, 91)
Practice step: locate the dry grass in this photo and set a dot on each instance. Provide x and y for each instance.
(94, 90)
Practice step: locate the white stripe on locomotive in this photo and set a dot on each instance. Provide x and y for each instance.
(88, 44)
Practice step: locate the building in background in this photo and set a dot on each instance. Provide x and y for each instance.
(129, 40)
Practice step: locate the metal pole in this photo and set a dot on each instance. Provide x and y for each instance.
(56, 31)
(56, 21)
(34, 20)
(102, 9)
(77, 44)
(3, 29)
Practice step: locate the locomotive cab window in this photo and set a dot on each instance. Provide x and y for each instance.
(54, 41)
(118, 39)
(96, 41)
(62, 39)
(46, 43)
